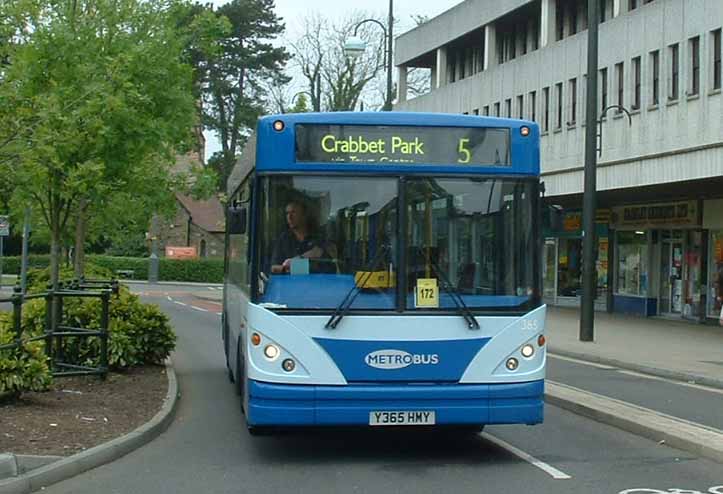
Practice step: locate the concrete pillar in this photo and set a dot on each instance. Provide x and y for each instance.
(402, 86)
(490, 47)
(433, 76)
(547, 22)
(530, 35)
(441, 66)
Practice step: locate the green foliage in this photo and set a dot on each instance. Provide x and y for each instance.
(198, 270)
(235, 78)
(138, 334)
(39, 279)
(96, 101)
(12, 264)
(21, 369)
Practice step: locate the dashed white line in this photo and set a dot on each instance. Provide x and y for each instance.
(179, 303)
(219, 313)
(169, 298)
(548, 469)
(198, 308)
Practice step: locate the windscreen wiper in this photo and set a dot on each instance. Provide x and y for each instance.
(454, 295)
(344, 307)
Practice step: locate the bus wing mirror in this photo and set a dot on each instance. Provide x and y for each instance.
(237, 220)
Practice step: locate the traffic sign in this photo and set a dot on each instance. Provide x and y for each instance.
(4, 226)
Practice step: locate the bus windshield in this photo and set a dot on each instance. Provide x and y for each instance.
(474, 238)
(320, 234)
(323, 237)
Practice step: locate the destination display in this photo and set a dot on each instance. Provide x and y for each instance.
(403, 145)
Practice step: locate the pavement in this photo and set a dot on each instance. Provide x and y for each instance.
(675, 350)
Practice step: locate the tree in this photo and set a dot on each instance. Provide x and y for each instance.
(334, 81)
(236, 77)
(104, 88)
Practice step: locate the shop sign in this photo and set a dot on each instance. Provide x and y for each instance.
(572, 222)
(181, 252)
(648, 215)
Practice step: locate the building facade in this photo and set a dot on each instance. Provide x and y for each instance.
(660, 174)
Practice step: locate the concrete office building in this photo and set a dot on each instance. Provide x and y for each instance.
(660, 176)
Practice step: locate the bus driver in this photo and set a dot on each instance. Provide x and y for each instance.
(299, 240)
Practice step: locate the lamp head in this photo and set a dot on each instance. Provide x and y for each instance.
(354, 47)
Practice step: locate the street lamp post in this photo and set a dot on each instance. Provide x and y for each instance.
(355, 46)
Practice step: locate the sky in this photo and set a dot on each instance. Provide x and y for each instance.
(293, 11)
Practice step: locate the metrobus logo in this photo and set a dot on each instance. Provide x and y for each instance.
(398, 359)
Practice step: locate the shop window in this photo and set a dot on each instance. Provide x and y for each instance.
(632, 256)
(569, 267)
(716, 274)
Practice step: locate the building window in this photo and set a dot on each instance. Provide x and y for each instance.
(636, 83)
(475, 111)
(520, 107)
(602, 10)
(508, 107)
(603, 89)
(694, 44)
(655, 75)
(535, 32)
(533, 106)
(486, 111)
(633, 4)
(558, 95)
(674, 71)
(620, 77)
(497, 109)
(716, 44)
(632, 262)
(573, 18)
(572, 86)
(523, 36)
(559, 22)
(546, 109)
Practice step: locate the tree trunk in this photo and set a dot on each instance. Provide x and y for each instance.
(54, 251)
(80, 231)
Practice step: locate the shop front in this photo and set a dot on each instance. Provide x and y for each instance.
(562, 266)
(660, 260)
(713, 223)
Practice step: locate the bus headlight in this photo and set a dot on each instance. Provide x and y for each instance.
(288, 365)
(271, 352)
(527, 351)
(512, 364)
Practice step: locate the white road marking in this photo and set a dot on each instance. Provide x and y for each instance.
(179, 303)
(548, 469)
(211, 288)
(198, 308)
(169, 298)
(672, 381)
(583, 362)
(219, 313)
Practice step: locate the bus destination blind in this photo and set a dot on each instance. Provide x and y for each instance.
(404, 145)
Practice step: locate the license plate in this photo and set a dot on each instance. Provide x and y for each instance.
(413, 417)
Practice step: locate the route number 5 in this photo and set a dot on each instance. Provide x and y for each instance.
(464, 153)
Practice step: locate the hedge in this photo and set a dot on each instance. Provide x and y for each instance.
(197, 270)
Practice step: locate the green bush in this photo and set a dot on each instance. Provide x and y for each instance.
(38, 279)
(24, 369)
(138, 333)
(11, 264)
(194, 270)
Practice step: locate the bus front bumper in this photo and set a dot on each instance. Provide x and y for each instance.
(472, 404)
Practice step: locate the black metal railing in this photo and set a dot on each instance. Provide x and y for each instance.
(58, 331)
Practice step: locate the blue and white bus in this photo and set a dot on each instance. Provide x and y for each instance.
(384, 269)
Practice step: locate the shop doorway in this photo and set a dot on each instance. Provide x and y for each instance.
(671, 273)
